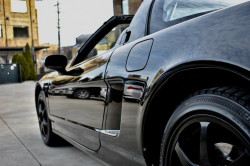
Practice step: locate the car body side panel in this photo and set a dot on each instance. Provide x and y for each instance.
(84, 111)
(79, 118)
(129, 138)
(221, 36)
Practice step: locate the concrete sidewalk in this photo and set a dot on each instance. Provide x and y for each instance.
(20, 139)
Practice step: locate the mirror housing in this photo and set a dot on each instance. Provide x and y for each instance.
(56, 62)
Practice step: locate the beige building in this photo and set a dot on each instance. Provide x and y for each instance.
(126, 6)
(49, 49)
(18, 26)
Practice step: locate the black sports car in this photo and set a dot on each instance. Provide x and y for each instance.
(169, 86)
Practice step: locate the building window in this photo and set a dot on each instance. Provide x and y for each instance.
(21, 32)
(125, 7)
(18, 6)
(1, 34)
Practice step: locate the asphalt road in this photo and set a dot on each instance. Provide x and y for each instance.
(20, 139)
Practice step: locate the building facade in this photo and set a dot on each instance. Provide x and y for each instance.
(18, 26)
(49, 49)
(126, 6)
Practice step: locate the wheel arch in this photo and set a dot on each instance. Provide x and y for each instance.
(173, 84)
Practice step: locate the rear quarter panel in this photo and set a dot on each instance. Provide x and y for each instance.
(221, 36)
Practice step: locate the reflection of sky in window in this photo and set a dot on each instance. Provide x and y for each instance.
(18, 6)
(124, 6)
(175, 9)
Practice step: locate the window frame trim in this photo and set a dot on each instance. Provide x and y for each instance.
(147, 27)
(114, 20)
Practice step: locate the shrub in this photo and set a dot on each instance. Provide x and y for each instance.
(27, 55)
(19, 59)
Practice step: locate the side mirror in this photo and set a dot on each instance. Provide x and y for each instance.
(56, 62)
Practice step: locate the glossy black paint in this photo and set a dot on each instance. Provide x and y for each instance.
(138, 56)
(219, 39)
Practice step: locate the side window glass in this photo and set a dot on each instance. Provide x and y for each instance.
(108, 41)
(166, 13)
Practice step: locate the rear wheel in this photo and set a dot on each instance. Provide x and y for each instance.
(49, 138)
(211, 128)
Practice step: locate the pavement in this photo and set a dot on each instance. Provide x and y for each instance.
(20, 140)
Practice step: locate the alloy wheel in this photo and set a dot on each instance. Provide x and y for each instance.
(43, 118)
(207, 141)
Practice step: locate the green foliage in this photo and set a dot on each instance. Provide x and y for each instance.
(26, 62)
(14, 58)
(27, 55)
(24, 65)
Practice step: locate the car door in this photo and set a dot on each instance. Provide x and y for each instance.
(77, 100)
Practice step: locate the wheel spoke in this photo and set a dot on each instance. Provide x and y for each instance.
(44, 122)
(182, 156)
(44, 132)
(40, 109)
(204, 160)
(42, 126)
(43, 111)
(243, 160)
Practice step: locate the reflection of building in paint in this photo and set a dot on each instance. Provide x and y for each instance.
(159, 73)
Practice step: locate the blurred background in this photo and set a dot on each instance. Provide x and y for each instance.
(30, 30)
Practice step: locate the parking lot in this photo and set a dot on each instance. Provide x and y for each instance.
(20, 140)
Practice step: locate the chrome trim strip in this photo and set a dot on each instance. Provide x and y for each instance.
(113, 133)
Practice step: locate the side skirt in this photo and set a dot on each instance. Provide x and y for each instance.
(79, 146)
(76, 144)
(114, 156)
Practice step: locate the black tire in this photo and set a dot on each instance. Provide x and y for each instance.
(82, 94)
(48, 137)
(211, 127)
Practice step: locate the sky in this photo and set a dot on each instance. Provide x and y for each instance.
(77, 17)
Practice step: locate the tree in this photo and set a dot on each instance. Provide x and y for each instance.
(27, 55)
(19, 59)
